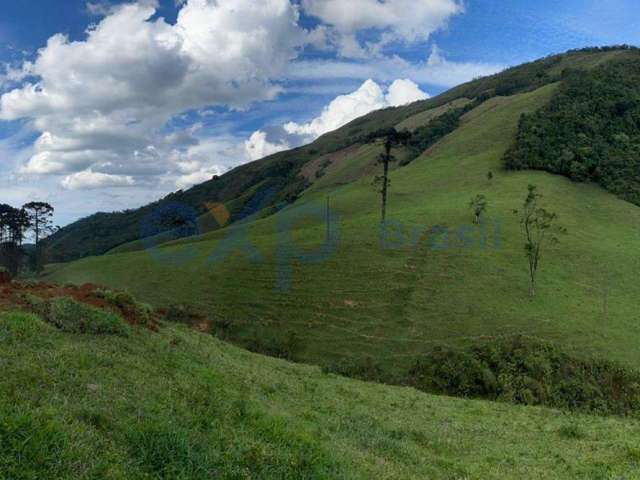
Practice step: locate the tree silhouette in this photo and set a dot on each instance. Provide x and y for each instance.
(40, 215)
(390, 139)
(14, 223)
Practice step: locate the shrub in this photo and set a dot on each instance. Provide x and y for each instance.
(367, 369)
(126, 302)
(35, 303)
(178, 314)
(531, 372)
(181, 314)
(287, 348)
(74, 317)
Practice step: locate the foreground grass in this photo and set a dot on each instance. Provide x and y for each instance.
(182, 405)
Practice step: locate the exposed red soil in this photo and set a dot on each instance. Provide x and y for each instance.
(12, 296)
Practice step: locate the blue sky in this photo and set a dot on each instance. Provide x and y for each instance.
(124, 107)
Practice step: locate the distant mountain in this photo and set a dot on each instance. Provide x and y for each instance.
(281, 178)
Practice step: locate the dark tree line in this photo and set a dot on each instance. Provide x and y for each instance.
(16, 224)
(589, 132)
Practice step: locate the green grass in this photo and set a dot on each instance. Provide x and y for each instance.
(396, 304)
(423, 118)
(74, 317)
(182, 405)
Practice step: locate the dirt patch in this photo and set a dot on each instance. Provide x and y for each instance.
(15, 295)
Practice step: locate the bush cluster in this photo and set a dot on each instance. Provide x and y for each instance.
(126, 302)
(528, 371)
(287, 347)
(74, 317)
(367, 370)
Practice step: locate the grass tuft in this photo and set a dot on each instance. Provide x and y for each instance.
(74, 317)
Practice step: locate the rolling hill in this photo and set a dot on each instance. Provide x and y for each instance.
(180, 404)
(100, 386)
(339, 289)
(285, 176)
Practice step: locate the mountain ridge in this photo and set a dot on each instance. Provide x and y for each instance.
(281, 173)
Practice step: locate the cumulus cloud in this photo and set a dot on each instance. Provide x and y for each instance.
(258, 146)
(89, 179)
(101, 103)
(106, 107)
(345, 108)
(201, 161)
(195, 178)
(403, 92)
(394, 20)
(341, 110)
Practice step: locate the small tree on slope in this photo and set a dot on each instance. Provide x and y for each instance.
(479, 207)
(538, 226)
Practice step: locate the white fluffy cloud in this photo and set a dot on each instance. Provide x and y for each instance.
(258, 146)
(89, 179)
(403, 92)
(110, 109)
(101, 103)
(195, 178)
(345, 108)
(395, 20)
(199, 162)
(340, 111)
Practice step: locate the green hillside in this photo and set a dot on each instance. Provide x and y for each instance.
(181, 405)
(434, 283)
(281, 177)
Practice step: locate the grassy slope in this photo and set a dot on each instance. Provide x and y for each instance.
(103, 232)
(395, 303)
(423, 118)
(181, 405)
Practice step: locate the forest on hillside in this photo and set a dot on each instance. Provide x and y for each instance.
(590, 131)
